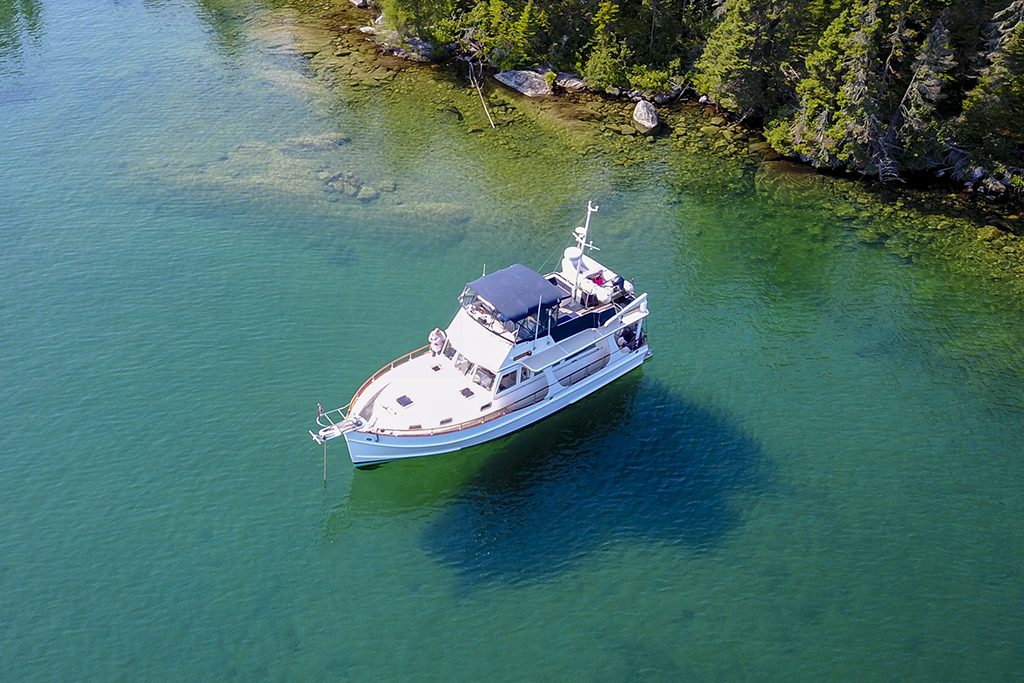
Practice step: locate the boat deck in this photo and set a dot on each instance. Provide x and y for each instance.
(426, 392)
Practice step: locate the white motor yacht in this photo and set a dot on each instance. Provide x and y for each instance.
(521, 347)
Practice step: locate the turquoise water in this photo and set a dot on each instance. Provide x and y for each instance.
(817, 476)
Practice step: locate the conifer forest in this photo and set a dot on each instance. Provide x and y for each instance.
(884, 88)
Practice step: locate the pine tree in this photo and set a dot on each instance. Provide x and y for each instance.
(742, 67)
(835, 118)
(606, 63)
(992, 123)
(869, 98)
(920, 131)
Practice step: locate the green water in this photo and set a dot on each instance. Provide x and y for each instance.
(818, 475)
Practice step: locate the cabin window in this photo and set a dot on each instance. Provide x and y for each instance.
(484, 378)
(449, 351)
(526, 374)
(463, 365)
(508, 380)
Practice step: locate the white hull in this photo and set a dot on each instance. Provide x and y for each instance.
(367, 448)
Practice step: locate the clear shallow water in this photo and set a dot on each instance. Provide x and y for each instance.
(817, 476)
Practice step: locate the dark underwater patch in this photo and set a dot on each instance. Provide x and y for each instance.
(631, 462)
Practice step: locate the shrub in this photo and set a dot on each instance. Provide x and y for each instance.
(646, 79)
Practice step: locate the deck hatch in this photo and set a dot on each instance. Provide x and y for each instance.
(404, 401)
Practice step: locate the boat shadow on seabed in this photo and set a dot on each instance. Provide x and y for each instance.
(633, 461)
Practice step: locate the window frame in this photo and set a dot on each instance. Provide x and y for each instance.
(514, 374)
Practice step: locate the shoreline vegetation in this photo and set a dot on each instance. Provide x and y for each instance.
(890, 89)
(351, 48)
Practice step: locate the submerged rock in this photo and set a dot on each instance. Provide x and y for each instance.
(787, 181)
(367, 194)
(454, 111)
(315, 143)
(645, 116)
(766, 151)
(403, 46)
(989, 233)
(287, 31)
(433, 212)
(529, 83)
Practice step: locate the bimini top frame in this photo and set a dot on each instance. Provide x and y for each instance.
(515, 293)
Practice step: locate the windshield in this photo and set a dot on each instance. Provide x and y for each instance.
(463, 364)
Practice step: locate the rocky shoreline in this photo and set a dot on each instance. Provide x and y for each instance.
(349, 53)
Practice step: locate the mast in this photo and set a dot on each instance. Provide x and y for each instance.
(581, 242)
(581, 238)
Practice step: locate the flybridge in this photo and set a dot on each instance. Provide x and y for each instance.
(516, 302)
(515, 292)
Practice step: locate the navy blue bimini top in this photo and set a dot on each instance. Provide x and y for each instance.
(515, 291)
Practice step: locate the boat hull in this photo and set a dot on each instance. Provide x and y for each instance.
(368, 448)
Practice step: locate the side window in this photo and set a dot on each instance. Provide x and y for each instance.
(508, 380)
(526, 373)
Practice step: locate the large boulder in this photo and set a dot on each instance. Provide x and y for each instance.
(529, 83)
(570, 82)
(645, 116)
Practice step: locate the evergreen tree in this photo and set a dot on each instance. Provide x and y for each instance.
(880, 87)
(606, 64)
(419, 17)
(836, 119)
(868, 99)
(744, 66)
(992, 122)
(915, 122)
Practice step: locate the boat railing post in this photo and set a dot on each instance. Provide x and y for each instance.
(536, 334)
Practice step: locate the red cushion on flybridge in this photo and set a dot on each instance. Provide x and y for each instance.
(404, 401)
